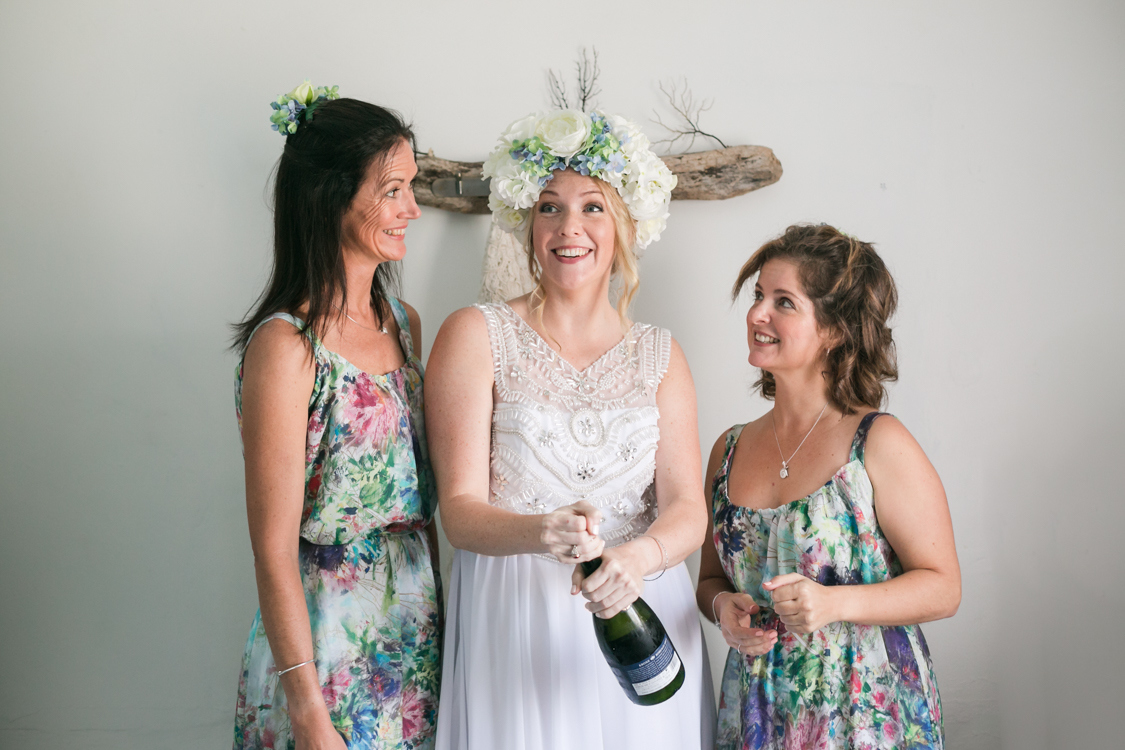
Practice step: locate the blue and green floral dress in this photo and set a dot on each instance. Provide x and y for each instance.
(844, 685)
(373, 596)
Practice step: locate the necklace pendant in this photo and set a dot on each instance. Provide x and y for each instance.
(784, 470)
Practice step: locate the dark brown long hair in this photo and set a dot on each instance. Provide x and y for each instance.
(853, 297)
(321, 169)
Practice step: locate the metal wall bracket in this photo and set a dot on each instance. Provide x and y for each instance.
(458, 186)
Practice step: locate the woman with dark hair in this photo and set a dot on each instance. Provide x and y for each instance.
(345, 649)
(831, 533)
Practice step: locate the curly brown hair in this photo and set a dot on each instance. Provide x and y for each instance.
(853, 296)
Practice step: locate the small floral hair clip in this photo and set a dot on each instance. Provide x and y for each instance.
(288, 108)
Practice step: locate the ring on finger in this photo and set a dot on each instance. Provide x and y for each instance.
(574, 551)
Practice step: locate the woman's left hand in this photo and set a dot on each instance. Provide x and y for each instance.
(614, 585)
(802, 604)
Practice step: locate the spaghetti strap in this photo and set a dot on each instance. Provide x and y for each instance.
(859, 442)
(723, 473)
(294, 321)
(403, 321)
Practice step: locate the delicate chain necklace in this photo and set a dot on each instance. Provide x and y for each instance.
(784, 463)
(381, 329)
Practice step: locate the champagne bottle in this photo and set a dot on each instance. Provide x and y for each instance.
(638, 650)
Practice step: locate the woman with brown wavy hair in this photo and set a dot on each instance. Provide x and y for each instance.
(831, 535)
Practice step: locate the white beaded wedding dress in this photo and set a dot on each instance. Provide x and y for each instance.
(522, 668)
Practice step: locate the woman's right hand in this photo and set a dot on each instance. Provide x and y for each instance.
(571, 533)
(734, 613)
(322, 736)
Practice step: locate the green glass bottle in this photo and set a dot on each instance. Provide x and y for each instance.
(638, 650)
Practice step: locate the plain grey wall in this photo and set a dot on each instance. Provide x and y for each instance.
(978, 143)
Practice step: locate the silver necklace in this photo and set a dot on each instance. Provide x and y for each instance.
(784, 463)
(382, 329)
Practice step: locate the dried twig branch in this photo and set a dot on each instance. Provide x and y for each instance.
(588, 72)
(684, 105)
(556, 89)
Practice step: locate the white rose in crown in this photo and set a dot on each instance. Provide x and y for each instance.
(509, 219)
(633, 141)
(648, 188)
(616, 179)
(649, 230)
(637, 145)
(500, 165)
(521, 129)
(564, 132)
(646, 203)
(303, 93)
(521, 191)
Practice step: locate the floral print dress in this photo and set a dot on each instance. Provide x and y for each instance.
(844, 685)
(373, 596)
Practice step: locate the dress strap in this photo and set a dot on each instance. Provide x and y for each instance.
(403, 320)
(294, 321)
(662, 354)
(496, 329)
(728, 454)
(859, 442)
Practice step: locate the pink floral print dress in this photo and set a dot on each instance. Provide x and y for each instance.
(373, 596)
(844, 685)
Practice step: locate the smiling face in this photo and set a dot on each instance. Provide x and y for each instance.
(374, 226)
(781, 325)
(573, 232)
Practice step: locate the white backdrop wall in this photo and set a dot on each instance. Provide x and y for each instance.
(977, 143)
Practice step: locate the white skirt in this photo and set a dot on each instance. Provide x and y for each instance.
(523, 671)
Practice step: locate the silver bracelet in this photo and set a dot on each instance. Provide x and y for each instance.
(714, 614)
(290, 669)
(663, 551)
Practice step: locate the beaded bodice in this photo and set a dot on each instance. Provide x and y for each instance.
(560, 435)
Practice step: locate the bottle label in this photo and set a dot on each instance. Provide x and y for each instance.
(655, 672)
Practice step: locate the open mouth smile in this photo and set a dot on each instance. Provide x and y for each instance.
(571, 252)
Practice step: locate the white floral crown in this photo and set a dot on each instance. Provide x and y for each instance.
(595, 144)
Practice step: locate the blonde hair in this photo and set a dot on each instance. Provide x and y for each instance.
(624, 272)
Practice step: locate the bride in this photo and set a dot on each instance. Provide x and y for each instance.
(560, 432)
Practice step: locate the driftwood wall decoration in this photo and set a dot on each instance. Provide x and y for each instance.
(714, 175)
(703, 176)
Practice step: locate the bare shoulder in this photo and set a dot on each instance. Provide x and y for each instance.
(462, 347)
(277, 368)
(676, 390)
(887, 438)
(278, 346)
(718, 450)
(893, 455)
(678, 370)
(464, 325)
(415, 323)
(411, 315)
(677, 353)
